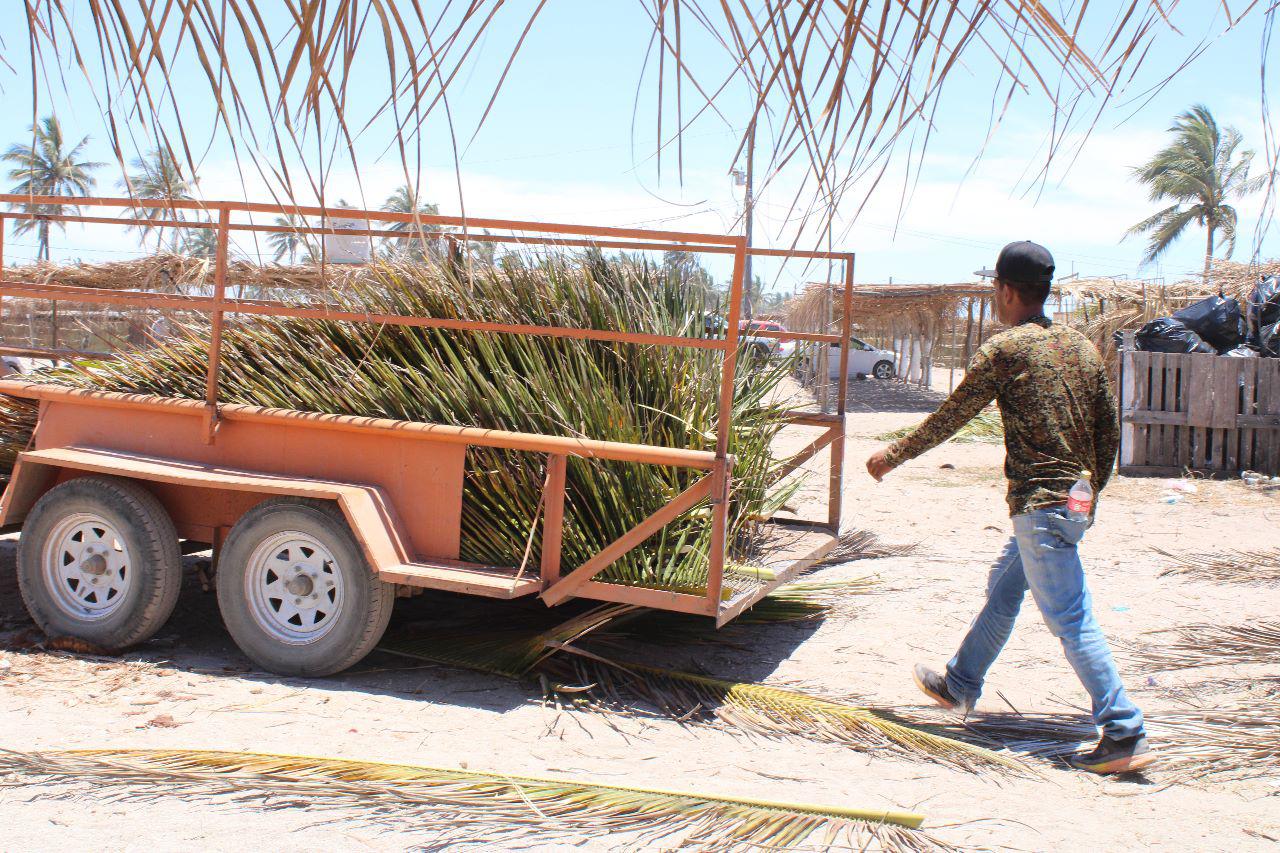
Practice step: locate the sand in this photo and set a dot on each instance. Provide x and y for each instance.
(191, 688)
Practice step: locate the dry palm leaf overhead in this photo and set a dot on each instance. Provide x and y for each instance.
(296, 84)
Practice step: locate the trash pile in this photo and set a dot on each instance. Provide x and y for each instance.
(1217, 325)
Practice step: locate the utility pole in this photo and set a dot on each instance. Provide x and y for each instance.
(747, 209)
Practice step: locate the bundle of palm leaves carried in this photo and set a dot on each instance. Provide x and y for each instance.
(454, 807)
(986, 428)
(644, 394)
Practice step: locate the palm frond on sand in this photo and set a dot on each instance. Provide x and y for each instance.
(459, 806)
(1238, 739)
(1213, 645)
(864, 545)
(1244, 567)
(759, 709)
(585, 679)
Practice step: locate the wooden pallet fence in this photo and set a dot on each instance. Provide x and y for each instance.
(1197, 412)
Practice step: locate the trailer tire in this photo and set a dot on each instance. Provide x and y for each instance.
(98, 560)
(296, 592)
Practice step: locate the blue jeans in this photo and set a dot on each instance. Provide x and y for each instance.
(1042, 556)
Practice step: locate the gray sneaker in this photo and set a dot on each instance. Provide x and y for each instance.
(934, 686)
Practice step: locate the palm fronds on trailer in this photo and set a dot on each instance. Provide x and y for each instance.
(663, 396)
(1244, 567)
(840, 87)
(1213, 645)
(457, 806)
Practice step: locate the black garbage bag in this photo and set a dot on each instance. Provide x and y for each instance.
(1269, 340)
(1264, 308)
(1168, 335)
(1217, 320)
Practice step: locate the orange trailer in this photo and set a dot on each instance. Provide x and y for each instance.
(316, 519)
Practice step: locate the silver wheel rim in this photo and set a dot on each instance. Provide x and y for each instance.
(293, 587)
(884, 371)
(87, 567)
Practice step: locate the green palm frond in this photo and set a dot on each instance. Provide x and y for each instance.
(1246, 567)
(459, 806)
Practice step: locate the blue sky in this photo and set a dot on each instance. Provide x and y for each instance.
(568, 140)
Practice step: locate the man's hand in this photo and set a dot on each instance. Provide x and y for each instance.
(878, 465)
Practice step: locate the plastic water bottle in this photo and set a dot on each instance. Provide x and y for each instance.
(1080, 498)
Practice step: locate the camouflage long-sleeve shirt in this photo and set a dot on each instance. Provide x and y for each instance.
(1055, 400)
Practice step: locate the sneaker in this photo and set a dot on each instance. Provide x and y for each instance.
(1127, 755)
(934, 686)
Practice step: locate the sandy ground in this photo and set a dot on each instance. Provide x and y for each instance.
(191, 688)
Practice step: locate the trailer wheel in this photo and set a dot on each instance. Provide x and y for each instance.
(98, 560)
(296, 592)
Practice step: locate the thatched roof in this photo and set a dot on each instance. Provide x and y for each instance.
(873, 302)
(173, 273)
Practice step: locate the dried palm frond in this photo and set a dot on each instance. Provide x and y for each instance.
(841, 86)
(459, 806)
(864, 545)
(760, 709)
(1248, 567)
(770, 711)
(1237, 740)
(1214, 645)
(985, 428)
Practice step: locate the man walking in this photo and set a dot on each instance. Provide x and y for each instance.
(1059, 424)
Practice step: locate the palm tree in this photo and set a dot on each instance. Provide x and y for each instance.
(45, 167)
(1199, 171)
(199, 243)
(289, 242)
(158, 175)
(405, 200)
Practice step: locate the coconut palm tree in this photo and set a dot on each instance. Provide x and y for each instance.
(158, 175)
(405, 200)
(45, 166)
(289, 242)
(1199, 171)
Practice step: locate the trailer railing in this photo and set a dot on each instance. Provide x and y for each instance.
(714, 485)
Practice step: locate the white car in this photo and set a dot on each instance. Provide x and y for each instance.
(864, 359)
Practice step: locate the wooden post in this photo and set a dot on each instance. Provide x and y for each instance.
(553, 518)
(215, 338)
(835, 482)
(3, 223)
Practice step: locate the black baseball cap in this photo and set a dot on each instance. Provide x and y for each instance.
(1022, 261)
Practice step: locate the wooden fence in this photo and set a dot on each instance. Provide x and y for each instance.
(1203, 413)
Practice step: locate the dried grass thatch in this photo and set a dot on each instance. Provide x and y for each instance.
(167, 272)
